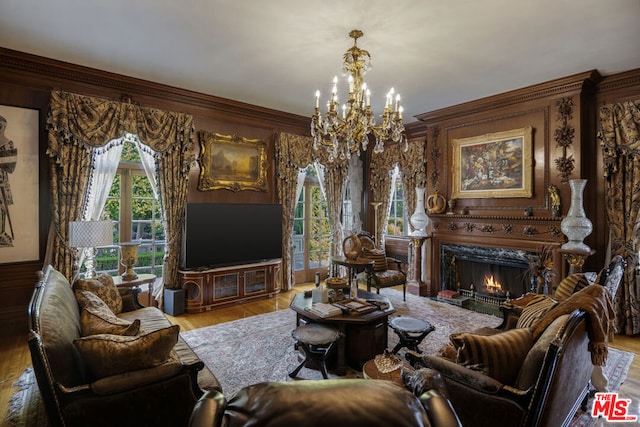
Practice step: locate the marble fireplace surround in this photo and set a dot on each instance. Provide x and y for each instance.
(464, 264)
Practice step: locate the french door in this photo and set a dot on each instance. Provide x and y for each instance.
(311, 233)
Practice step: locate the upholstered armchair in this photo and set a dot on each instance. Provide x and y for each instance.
(387, 271)
(525, 383)
(523, 311)
(538, 367)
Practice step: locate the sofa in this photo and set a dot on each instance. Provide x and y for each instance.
(319, 403)
(140, 372)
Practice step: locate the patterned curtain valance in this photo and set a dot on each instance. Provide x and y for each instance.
(293, 151)
(78, 119)
(76, 126)
(411, 163)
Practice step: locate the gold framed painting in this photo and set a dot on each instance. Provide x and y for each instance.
(495, 165)
(232, 162)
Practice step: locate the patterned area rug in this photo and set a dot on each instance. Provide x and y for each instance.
(260, 348)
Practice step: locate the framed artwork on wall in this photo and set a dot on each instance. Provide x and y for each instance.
(19, 185)
(494, 165)
(232, 162)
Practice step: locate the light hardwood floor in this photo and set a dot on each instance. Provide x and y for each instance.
(15, 357)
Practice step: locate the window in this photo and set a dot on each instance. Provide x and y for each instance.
(311, 233)
(397, 219)
(136, 213)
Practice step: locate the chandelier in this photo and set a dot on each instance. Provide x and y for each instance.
(345, 130)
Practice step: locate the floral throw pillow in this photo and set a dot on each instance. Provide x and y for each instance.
(97, 318)
(104, 288)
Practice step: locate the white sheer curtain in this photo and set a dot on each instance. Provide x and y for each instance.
(395, 176)
(302, 174)
(320, 173)
(105, 165)
(147, 157)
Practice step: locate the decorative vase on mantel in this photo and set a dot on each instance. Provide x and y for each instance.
(419, 220)
(576, 226)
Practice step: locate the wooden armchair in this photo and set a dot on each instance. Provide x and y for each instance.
(387, 271)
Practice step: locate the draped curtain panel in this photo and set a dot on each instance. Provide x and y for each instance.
(292, 154)
(380, 184)
(335, 176)
(76, 125)
(413, 171)
(619, 136)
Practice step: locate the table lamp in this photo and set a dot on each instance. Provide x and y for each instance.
(89, 235)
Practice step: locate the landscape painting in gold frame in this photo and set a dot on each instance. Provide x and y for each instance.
(495, 165)
(232, 162)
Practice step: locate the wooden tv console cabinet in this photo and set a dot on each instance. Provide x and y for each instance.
(206, 289)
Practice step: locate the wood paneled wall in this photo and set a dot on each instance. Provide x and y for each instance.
(26, 81)
(501, 222)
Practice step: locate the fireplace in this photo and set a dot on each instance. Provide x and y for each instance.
(486, 273)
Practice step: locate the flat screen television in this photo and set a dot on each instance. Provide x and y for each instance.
(219, 234)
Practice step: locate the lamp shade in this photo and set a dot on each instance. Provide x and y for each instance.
(90, 234)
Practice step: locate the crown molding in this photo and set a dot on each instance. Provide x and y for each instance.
(571, 84)
(45, 73)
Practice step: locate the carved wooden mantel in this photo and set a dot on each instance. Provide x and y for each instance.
(555, 112)
(494, 231)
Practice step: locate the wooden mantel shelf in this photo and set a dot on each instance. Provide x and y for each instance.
(497, 217)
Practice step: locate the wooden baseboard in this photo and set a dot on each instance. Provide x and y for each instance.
(13, 320)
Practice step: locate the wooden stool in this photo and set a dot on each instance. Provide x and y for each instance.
(316, 341)
(410, 331)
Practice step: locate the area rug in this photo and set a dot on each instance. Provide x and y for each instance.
(260, 348)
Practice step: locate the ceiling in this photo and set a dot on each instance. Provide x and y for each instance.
(277, 53)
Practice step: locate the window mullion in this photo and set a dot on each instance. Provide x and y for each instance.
(125, 206)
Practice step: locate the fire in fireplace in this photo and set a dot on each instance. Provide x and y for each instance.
(492, 286)
(497, 273)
